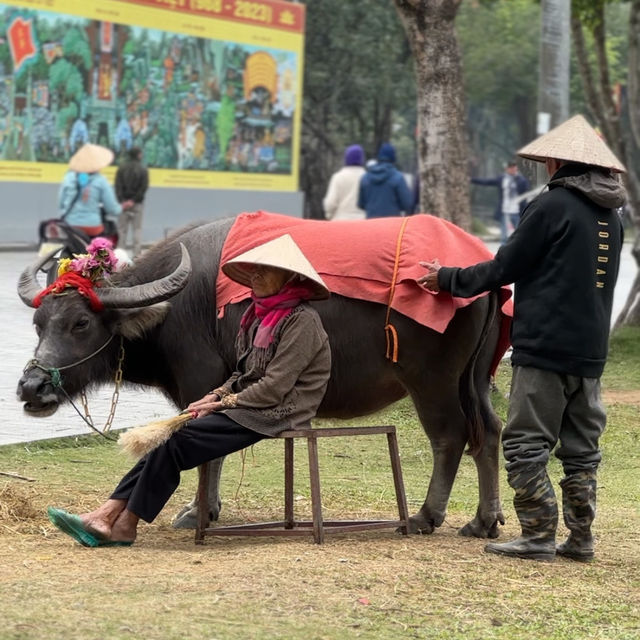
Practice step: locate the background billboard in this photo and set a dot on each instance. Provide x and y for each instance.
(209, 89)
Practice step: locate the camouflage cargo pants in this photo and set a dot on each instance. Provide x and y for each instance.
(545, 408)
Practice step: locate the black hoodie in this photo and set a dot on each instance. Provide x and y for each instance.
(132, 180)
(563, 258)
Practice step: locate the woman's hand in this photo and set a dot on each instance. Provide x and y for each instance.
(206, 405)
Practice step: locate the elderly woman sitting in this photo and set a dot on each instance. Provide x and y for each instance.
(283, 366)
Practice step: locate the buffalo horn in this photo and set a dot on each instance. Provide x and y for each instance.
(143, 295)
(28, 287)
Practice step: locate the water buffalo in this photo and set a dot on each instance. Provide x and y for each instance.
(184, 349)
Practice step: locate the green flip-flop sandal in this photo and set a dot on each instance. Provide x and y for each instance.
(73, 526)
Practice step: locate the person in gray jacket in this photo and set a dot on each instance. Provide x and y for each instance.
(563, 258)
(282, 371)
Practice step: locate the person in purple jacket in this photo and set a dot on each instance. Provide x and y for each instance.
(383, 190)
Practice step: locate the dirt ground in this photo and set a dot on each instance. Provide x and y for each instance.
(626, 397)
(364, 585)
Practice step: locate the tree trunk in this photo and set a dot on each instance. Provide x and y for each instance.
(633, 86)
(553, 85)
(442, 137)
(599, 98)
(553, 79)
(316, 158)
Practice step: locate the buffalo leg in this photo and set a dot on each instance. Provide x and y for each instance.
(445, 428)
(186, 518)
(487, 460)
(489, 513)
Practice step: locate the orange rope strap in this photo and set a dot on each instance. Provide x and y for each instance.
(391, 334)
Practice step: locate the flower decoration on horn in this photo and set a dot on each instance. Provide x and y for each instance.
(97, 264)
(84, 272)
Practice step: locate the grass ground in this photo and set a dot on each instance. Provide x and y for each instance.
(363, 585)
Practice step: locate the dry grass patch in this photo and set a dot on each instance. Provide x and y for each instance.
(364, 585)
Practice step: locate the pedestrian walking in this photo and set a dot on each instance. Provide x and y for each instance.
(383, 189)
(341, 200)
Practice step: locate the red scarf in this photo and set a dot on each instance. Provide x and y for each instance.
(271, 309)
(71, 279)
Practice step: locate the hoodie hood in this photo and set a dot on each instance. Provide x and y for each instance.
(380, 172)
(599, 185)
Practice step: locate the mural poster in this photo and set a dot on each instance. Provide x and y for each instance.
(210, 90)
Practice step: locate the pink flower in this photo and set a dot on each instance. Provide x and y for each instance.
(98, 263)
(99, 243)
(80, 265)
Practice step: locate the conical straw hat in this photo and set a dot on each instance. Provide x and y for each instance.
(91, 158)
(574, 141)
(282, 253)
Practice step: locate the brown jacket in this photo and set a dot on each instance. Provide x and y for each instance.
(280, 387)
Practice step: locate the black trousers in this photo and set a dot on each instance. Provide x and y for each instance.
(151, 482)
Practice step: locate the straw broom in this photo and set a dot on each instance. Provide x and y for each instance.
(140, 441)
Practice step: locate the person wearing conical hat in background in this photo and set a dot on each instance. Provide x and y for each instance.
(282, 371)
(84, 190)
(563, 258)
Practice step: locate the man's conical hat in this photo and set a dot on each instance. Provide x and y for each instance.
(282, 253)
(90, 158)
(574, 141)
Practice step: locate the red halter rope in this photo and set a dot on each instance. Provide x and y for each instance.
(70, 279)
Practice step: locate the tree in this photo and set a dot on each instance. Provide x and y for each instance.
(499, 42)
(442, 137)
(358, 88)
(553, 87)
(633, 86)
(589, 16)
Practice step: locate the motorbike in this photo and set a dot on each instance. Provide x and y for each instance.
(69, 241)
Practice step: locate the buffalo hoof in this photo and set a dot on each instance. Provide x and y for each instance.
(477, 529)
(421, 525)
(186, 518)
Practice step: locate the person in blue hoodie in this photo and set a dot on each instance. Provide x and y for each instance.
(383, 190)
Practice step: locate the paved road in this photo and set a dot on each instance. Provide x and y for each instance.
(18, 341)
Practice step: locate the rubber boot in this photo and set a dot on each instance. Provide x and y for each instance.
(537, 510)
(579, 510)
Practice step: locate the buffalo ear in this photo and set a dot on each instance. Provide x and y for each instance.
(134, 323)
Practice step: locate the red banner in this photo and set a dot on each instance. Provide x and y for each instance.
(21, 43)
(275, 14)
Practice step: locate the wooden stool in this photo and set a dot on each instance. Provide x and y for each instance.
(292, 527)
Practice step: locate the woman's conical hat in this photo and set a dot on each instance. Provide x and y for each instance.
(90, 158)
(282, 253)
(574, 141)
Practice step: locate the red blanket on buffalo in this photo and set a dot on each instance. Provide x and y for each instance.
(357, 259)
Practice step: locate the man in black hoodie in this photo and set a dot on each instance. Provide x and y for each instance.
(563, 258)
(132, 182)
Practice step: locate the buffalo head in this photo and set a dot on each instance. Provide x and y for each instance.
(76, 346)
